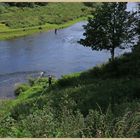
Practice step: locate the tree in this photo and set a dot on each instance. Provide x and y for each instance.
(110, 27)
(136, 48)
(26, 4)
(92, 4)
(138, 26)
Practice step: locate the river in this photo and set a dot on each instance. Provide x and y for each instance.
(56, 54)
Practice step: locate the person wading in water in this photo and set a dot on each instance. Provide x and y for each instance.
(55, 31)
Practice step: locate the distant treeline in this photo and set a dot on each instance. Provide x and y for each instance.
(25, 4)
(34, 4)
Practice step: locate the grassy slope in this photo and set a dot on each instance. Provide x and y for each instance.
(101, 102)
(30, 20)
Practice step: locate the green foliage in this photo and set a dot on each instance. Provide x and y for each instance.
(92, 4)
(127, 66)
(42, 17)
(2, 9)
(26, 4)
(21, 88)
(46, 123)
(31, 81)
(110, 27)
(53, 13)
(101, 102)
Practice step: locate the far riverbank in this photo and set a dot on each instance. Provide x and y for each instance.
(8, 33)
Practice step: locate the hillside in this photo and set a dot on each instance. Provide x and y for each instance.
(101, 102)
(18, 21)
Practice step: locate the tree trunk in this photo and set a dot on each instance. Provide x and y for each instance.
(112, 54)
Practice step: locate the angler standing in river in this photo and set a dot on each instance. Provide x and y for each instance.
(55, 31)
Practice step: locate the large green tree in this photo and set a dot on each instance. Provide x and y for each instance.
(110, 27)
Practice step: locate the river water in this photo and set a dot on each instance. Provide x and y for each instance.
(56, 54)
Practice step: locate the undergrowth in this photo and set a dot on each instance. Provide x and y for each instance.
(101, 102)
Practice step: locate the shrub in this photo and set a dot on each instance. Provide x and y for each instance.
(21, 88)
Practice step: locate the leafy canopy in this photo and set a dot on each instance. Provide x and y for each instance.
(110, 27)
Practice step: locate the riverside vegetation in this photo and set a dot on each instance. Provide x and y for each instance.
(101, 102)
(35, 18)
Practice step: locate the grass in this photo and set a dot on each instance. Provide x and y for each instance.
(42, 18)
(7, 33)
(101, 102)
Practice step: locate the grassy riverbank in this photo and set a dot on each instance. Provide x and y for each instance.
(101, 102)
(7, 33)
(21, 21)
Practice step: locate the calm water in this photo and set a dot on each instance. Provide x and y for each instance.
(57, 55)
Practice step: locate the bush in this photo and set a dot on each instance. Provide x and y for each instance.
(21, 88)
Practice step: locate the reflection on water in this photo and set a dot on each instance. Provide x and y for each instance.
(56, 54)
